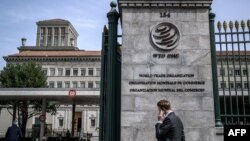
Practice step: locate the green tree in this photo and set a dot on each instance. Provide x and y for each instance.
(24, 75)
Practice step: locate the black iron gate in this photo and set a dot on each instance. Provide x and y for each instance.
(233, 57)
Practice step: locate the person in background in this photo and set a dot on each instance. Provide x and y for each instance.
(169, 126)
(14, 132)
(68, 135)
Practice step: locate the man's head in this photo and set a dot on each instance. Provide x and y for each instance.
(164, 105)
(15, 122)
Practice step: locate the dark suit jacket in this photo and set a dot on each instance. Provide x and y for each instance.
(171, 129)
(13, 133)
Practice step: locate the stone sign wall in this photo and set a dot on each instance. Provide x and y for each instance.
(166, 55)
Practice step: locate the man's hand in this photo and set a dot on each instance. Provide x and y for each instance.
(161, 115)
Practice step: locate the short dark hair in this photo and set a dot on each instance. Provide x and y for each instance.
(164, 104)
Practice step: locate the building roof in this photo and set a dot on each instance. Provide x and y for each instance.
(55, 21)
(45, 48)
(75, 53)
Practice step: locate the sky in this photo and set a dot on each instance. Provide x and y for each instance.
(18, 19)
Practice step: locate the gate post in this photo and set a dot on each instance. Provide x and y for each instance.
(42, 123)
(214, 71)
(113, 128)
(73, 119)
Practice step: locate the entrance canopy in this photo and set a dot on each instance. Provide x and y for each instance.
(61, 95)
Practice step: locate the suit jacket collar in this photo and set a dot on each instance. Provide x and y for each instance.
(169, 113)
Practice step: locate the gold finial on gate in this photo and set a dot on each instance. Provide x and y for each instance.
(219, 25)
(231, 25)
(225, 25)
(237, 25)
(243, 25)
(248, 24)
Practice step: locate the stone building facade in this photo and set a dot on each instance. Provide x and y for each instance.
(233, 84)
(67, 67)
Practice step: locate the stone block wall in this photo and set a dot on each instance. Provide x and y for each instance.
(139, 110)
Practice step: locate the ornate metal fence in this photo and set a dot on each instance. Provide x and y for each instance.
(232, 43)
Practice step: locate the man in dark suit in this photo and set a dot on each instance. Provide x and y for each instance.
(169, 126)
(13, 133)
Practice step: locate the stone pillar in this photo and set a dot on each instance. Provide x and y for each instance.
(68, 119)
(82, 130)
(67, 39)
(85, 120)
(52, 36)
(166, 55)
(59, 36)
(46, 36)
(71, 71)
(97, 117)
(38, 36)
(79, 73)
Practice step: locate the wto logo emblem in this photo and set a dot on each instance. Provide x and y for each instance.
(165, 36)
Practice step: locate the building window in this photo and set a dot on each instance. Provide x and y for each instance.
(91, 71)
(67, 84)
(97, 84)
(60, 71)
(83, 72)
(98, 72)
(63, 36)
(74, 84)
(92, 121)
(52, 71)
(223, 85)
(238, 85)
(45, 71)
(245, 85)
(59, 84)
(42, 35)
(56, 41)
(237, 72)
(90, 84)
(62, 31)
(67, 72)
(245, 72)
(37, 121)
(231, 85)
(49, 41)
(56, 33)
(61, 122)
(82, 84)
(231, 72)
(222, 71)
(75, 71)
(49, 37)
(51, 84)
